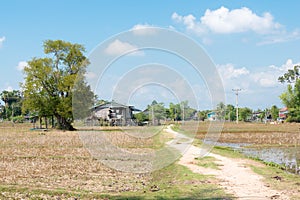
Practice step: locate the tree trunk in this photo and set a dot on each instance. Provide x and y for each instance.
(46, 122)
(63, 124)
(52, 121)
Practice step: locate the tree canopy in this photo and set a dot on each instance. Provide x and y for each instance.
(291, 97)
(12, 103)
(51, 82)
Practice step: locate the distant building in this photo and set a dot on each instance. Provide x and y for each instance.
(283, 112)
(256, 116)
(212, 116)
(115, 113)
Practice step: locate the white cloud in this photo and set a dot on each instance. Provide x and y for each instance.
(224, 21)
(286, 66)
(143, 29)
(190, 23)
(228, 71)
(269, 77)
(233, 77)
(118, 47)
(282, 37)
(21, 65)
(2, 39)
(266, 77)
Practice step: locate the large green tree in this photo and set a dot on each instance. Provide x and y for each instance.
(51, 83)
(291, 97)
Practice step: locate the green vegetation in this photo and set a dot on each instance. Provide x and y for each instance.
(12, 104)
(207, 162)
(290, 98)
(279, 179)
(51, 82)
(274, 175)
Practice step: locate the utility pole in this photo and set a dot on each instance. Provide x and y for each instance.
(237, 103)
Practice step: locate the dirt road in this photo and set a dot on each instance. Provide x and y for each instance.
(234, 175)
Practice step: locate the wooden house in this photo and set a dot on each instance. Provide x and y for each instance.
(115, 113)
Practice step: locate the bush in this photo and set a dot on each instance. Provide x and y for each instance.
(294, 115)
(18, 119)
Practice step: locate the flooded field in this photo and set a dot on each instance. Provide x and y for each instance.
(274, 144)
(286, 156)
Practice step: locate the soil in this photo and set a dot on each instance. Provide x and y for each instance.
(234, 175)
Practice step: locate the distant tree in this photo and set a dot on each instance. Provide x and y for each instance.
(202, 115)
(187, 112)
(221, 111)
(13, 103)
(274, 111)
(51, 82)
(291, 97)
(230, 113)
(175, 111)
(156, 112)
(245, 114)
(291, 76)
(141, 117)
(2, 111)
(262, 116)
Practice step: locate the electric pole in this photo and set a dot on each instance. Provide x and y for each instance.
(237, 103)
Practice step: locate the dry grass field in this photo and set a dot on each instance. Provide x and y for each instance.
(37, 164)
(57, 160)
(254, 133)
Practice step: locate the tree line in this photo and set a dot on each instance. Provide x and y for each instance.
(52, 82)
(182, 111)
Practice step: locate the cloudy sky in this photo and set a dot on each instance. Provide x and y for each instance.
(250, 42)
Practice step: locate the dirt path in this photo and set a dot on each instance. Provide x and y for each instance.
(234, 175)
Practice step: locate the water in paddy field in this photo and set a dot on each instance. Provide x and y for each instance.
(287, 156)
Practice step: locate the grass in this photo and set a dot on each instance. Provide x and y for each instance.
(178, 182)
(279, 179)
(274, 175)
(55, 164)
(208, 162)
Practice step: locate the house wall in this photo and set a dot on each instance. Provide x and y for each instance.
(102, 113)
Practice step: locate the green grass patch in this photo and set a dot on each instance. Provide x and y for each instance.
(227, 152)
(178, 182)
(279, 179)
(208, 162)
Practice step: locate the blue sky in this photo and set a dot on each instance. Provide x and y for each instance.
(251, 42)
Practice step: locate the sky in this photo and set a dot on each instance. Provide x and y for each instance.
(250, 42)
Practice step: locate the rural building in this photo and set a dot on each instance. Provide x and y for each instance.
(114, 113)
(283, 113)
(212, 116)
